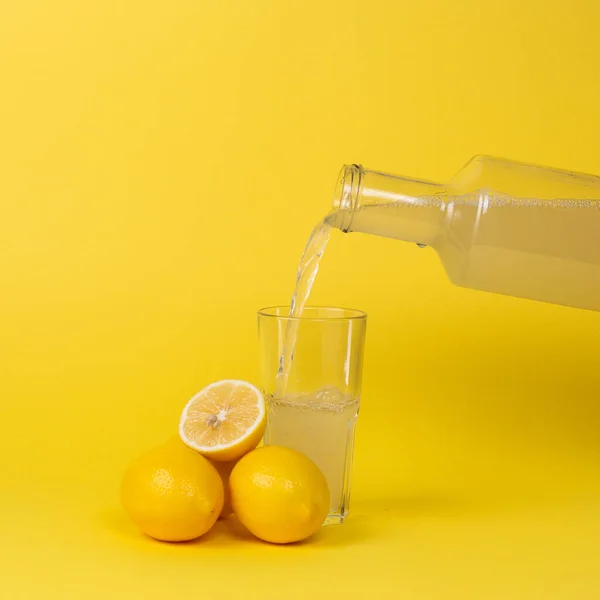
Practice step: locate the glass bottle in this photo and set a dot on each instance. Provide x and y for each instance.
(498, 225)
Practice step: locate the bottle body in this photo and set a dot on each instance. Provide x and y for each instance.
(498, 226)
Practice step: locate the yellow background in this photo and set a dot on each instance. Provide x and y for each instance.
(161, 165)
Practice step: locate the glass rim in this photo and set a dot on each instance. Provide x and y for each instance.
(349, 314)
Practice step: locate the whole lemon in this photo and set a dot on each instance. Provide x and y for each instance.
(172, 493)
(279, 494)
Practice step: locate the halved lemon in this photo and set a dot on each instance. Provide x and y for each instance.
(225, 420)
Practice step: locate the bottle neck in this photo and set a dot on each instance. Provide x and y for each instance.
(346, 196)
(381, 204)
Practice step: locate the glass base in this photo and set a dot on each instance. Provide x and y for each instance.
(335, 518)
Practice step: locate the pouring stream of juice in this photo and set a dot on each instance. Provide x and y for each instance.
(305, 277)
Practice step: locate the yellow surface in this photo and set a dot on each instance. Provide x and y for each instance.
(161, 164)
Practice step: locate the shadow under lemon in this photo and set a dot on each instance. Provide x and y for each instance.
(370, 520)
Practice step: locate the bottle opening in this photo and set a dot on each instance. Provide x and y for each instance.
(345, 197)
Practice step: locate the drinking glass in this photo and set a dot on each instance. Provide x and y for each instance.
(313, 397)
